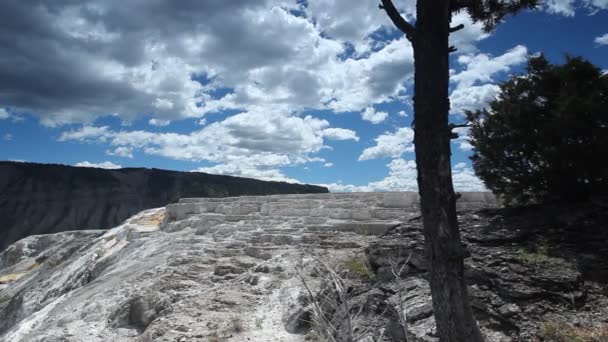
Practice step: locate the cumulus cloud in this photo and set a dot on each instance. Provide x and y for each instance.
(373, 116)
(340, 134)
(102, 165)
(4, 114)
(254, 143)
(159, 122)
(563, 7)
(121, 151)
(464, 179)
(602, 40)
(332, 18)
(7, 137)
(473, 97)
(92, 60)
(568, 8)
(402, 177)
(390, 145)
(481, 67)
(463, 140)
(465, 39)
(249, 171)
(474, 87)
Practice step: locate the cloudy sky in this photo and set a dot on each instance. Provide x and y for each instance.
(315, 91)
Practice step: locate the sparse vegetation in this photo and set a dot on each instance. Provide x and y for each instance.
(565, 332)
(258, 322)
(539, 255)
(4, 299)
(334, 316)
(236, 325)
(311, 336)
(357, 266)
(214, 338)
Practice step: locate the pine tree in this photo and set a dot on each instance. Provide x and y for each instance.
(429, 38)
(545, 137)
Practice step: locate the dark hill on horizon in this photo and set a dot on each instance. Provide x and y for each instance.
(48, 198)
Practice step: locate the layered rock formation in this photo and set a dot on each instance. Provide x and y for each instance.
(229, 270)
(43, 198)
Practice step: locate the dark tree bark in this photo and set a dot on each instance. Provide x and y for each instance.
(453, 314)
(429, 38)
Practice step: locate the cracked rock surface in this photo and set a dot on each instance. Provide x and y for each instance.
(225, 270)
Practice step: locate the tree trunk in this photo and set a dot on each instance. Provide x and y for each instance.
(453, 314)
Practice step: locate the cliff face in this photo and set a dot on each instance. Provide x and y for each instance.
(43, 198)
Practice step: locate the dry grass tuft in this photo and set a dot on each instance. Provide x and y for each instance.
(565, 332)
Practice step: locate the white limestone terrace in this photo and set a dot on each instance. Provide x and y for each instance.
(385, 207)
(188, 271)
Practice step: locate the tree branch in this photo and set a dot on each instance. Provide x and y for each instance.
(452, 49)
(456, 28)
(398, 20)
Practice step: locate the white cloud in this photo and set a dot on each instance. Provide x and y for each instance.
(87, 134)
(481, 67)
(102, 165)
(249, 171)
(465, 39)
(4, 114)
(568, 8)
(159, 122)
(328, 165)
(121, 151)
(563, 7)
(7, 137)
(464, 179)
(473, 97)
(335, 17)
(474, 87)
(253, 144)
(390, 144)
(371, 115)
(402, 113)
(463, 140)
(402, 177)
(602, 40)
(340, 134)
(132, 67)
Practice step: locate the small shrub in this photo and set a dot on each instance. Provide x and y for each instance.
(4, 299)
(357, 266)
(214, 338)
(237, 325)
(564, 332)
(538, 256)
(311, 336)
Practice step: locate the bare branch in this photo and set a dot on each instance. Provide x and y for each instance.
(456, 28)
(452, 126)
(452, 49)
(398, 20)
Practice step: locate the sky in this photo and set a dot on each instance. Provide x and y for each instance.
(316, 91)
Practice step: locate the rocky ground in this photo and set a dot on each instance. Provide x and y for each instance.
(231, 270)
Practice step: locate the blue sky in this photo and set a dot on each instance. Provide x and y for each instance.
(316, 91)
